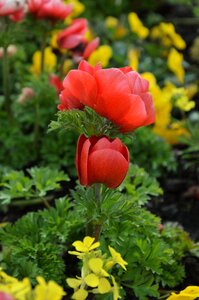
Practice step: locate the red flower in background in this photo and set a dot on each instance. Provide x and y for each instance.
(49, 9)
(13, 8)
(101, 160)
(5, 296)
(56, 82)
(73, 38)
(120, 95)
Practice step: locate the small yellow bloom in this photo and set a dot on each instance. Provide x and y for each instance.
(80, 294)
(191, 90)
(104, 286)
(74, 282)
(92, 280)
(111, 22)
(133, 58)
(50, 61)
(87, 245)
(117, 258)
(174, 62)
(115, 289)
(96, 266)
(190, 293)
(48, 291)
(101, 55)
(137, 26)
(78, 8)
(120, 32)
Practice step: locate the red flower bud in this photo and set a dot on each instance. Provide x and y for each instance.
(101, 160)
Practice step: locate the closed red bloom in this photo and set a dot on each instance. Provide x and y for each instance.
(120, 95)
(49, 9)
(5, 296)
(13, 8)
(101, 160)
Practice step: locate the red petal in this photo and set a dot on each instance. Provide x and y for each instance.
(71, 41)
(81, 86)
(126, 69)
(91, 47)
(136, 115)
(137, 84)
(148, 101)
(68, 101)
(83, 147)
(111, 81)
(107, 166)
(84, 66)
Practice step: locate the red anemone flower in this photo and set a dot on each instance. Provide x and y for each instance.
(120, 95)
(101, 160)
(73, 35)
(49, 9)
(13, 8)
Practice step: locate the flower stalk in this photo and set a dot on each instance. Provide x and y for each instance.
(6, 83)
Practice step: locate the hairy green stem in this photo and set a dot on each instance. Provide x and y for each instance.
(97, 229)
(36, 128)
(6, 87)
(35, 201)
(43, 45)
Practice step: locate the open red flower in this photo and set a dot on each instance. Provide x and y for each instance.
(13, 8)
(101, 160)
(49, 9)
(120, 95)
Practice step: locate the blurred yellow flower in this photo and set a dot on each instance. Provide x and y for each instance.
(137, 26)
(50, 61)
(189, 293)
(172, 132)
(166, 33)
(120, 32)
(80, 294)
(111, 22)
(48, 291)
(133, 58)
(67, 66)
(116, 259)
(175, 64)
(101, 55)
(191, 90)
(78, 8)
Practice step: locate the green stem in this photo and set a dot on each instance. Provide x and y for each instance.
(36, 127)
(6, 87)
(32, 202)
(43, 46)
(97, 229)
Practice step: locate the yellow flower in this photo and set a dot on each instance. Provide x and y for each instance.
(18, 289)
(50, 61)
(115, 289)
(80, 294)
(191, 90)
(101, 55)
(48, 291)
(171, 133)
(137, 26)
(190, 293)
(78, 8)
(96, 266)
(111, 22)
(120, 32)
(104, 286)
(133, 58)
(116, 259)
(166, 33)
(174, 62)
(92, 280)
(74, 282)
(86, 246)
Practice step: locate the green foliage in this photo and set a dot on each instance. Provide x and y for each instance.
(20, 189)
(140, 185)
(85, 121)
(151, 152)
(34, 245)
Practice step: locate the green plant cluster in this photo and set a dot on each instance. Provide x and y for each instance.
(37, 243)
(19, 189)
